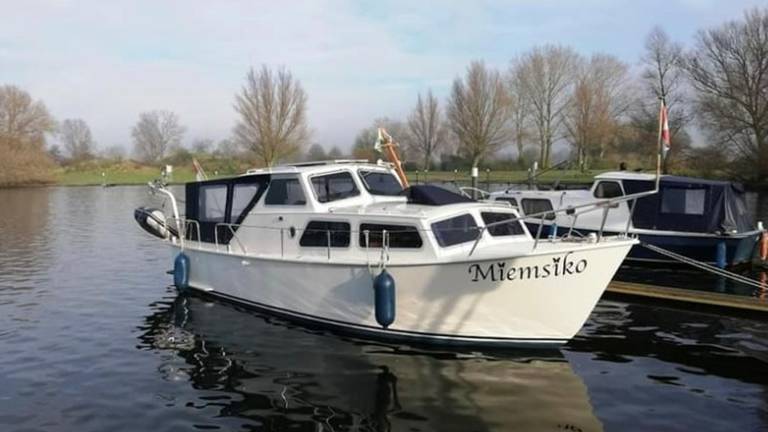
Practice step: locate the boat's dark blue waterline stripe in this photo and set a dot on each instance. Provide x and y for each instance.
(389, 334)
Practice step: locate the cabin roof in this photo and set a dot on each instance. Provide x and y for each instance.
(625, 175)
(318, 167)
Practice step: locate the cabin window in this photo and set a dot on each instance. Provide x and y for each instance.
(606, 189)
(333, 187)
(683, 201)
(212, 203)
(510, 228)
(455, 230)
(537, 205)
(318, 233)
(512, 202)
(381, 183)
(243, 195)
(400, 236)
(285, 191)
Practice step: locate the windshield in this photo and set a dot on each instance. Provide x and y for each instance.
(381, 183)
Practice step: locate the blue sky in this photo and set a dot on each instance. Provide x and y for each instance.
(106, 61)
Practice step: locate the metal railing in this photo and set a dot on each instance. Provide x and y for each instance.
(605, 205)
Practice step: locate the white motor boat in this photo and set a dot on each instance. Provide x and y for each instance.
(344, 244)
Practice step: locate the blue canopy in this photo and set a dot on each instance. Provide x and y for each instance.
(691, 205)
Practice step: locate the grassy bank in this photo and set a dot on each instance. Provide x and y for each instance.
(131, 173)
(121, 173)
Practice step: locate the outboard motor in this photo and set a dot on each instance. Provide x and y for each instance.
(153, 221)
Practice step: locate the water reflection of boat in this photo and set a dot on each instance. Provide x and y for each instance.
(319, 381)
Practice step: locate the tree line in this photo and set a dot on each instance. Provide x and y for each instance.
(595, 111)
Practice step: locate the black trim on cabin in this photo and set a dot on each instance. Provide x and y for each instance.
(208, 229)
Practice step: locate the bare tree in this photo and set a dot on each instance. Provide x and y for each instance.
(202, 145)
(335, 153)
(599, 100)
(728, 69)
(546, 78)
(519, 111)
(24, 124)
(663, 76)
(23, 121)
(227, 148)
(76, 137)
(427, 131)
(273, 120)
(114, 152)
(478, 111)
(155, 134)
(316, 152)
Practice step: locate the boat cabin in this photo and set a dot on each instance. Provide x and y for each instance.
(350, 208)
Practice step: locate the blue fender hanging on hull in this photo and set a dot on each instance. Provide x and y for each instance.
(384, 298)
(181, 271)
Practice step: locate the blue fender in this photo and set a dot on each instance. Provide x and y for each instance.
(384, 298)
(181, 271)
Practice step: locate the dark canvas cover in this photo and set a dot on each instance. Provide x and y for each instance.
(208, 229)
(433, 195)
(691, 205)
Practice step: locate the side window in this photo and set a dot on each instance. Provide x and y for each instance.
(243, 195)
(503, 229)
(455, 230)
(608, 189)
(317, 233)
(512, 202)
(400, 236)
(212, 203)
(537, 205)
(381, 183)
(334, 187)
(683, 201)
(285, 191)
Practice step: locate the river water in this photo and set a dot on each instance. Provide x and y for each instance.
(92, 338)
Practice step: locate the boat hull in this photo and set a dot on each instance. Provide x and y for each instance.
(701, 247)
(539, 299)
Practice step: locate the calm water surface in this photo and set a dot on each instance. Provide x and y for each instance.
(93, 339)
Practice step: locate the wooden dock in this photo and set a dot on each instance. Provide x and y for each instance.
(702, 299)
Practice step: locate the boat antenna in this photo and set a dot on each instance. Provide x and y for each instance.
(385, 143)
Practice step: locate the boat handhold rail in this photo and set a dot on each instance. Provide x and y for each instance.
(605, 204)
(230, 226)
(483, 193)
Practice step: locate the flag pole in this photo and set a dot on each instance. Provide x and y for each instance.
(658, 144)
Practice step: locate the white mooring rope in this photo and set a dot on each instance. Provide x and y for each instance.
(704, 266)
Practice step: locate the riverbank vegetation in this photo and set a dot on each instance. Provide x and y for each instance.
(551, 104)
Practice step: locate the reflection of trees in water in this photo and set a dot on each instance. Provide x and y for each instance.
(281, 376)
(24, 234)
